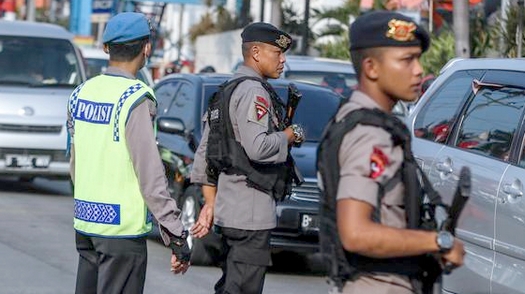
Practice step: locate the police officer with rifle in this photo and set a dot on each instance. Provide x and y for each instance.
(378, 211)
(243, 160)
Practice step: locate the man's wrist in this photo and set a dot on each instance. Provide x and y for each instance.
(445, 241)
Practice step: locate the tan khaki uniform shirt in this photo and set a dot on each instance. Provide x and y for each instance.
(367, 157)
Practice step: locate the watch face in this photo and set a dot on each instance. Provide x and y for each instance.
(445, 240)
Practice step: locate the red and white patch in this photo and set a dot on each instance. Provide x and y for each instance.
(260, 111)
(378, 163)
(263, 101)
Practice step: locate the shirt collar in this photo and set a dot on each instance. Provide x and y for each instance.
(116, 71)
(363, 100)
(244, 70)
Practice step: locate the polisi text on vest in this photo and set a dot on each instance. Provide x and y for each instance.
(89, 111)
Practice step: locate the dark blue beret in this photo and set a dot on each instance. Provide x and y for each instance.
(125, 27)
(385, 29)
(266, 33)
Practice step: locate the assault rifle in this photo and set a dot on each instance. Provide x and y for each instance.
(458, 203)
(448, 219)
(294, 97)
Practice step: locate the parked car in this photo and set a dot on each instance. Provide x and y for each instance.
(338, 75)
(182, 101)
(39, 68)
(97, 62)
(473, 115)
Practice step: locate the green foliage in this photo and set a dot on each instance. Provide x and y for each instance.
(337, 49)
(213, 22)
(507, 32)
(441, 50)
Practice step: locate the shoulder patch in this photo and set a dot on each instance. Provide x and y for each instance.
(378, 163)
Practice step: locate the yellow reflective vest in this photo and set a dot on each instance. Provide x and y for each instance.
(108, 201)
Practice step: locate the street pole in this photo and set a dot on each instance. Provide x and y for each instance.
(30, 10)
(179, 53)
(461, 28)
(519, 34)
(304, 48)
(262, 10)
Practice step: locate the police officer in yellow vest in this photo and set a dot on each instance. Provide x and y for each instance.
(116, 169)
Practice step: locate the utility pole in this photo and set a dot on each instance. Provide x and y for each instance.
(30, 10)
(519, 33)
(276, 9)
(304, 47)
(262, 10)
(461, 28)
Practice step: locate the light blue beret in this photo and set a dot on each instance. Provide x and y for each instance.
(125, 27)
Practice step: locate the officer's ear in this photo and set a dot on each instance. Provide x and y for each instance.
(147, 49)
(256, 52)
(372, 63)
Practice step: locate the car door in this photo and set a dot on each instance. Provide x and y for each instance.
(509, 245)
(483, 141)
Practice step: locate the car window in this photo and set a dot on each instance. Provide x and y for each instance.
(95, 66)
(490, 121)
(38, 61)
(434, 120)
(183, 105)
(164, 93)
(341, 83)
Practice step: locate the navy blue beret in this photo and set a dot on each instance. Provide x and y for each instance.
(266, 33)
(125, 27)
(385, 29)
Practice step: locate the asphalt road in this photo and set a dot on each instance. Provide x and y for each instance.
(38, 256)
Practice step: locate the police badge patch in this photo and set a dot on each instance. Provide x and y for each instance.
(259, 111)
(378, 163)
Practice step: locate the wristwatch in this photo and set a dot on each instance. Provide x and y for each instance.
(298, 133)
(445, 241)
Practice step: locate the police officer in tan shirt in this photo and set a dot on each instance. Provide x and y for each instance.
(242, 214)
(385, 49)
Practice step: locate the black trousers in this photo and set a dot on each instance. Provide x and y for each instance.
(245, 259)
(111, 265)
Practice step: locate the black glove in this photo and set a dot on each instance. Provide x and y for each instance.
(179, 247)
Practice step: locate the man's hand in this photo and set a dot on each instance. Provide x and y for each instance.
(178, 267)
(181, 253)
(202, 227)
(454, 258)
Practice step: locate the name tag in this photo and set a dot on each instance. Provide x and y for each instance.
(93, 112)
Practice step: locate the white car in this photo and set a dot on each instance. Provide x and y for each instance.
(39, 68)
(97, 62)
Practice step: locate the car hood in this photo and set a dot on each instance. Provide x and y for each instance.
(305, 158)
(38, 106)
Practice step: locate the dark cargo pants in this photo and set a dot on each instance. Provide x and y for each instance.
(111, 265)
(246, 256)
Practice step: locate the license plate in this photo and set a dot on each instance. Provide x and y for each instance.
(27, 161)
(309, 222)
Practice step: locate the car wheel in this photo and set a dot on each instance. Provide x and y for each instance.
(202, 252)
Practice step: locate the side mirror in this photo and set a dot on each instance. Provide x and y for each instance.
(171, 125)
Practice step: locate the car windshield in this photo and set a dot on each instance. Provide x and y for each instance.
(95, 66)
(38, 62)
(341, 83)
(313, 113)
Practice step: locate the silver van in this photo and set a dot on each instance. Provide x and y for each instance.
(473, 115)
(39, 68)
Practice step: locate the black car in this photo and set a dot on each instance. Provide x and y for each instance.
(182, 101)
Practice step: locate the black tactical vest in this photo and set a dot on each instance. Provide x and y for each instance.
(225, 154)
(343, 265)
